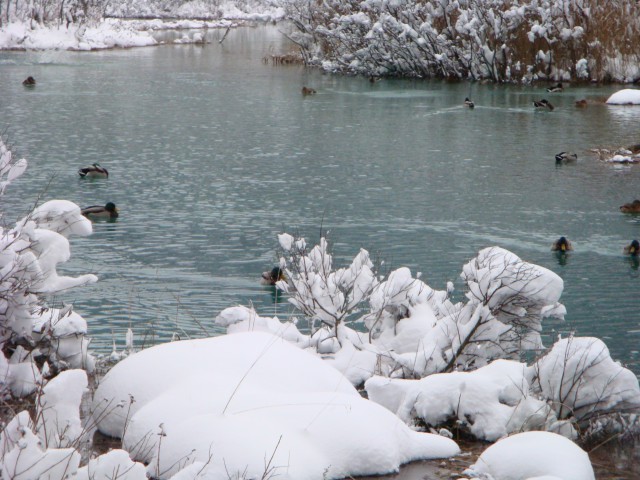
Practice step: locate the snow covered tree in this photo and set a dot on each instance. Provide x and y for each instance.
(35, 339)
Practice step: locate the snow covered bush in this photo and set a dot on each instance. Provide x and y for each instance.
(580, 381)
(415, 330)
(49, 447)
(36, 340)
(488, 403)
(60, 12)
(324, 295)
(437, 363)
(506, 41)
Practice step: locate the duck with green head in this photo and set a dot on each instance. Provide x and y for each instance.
(272, 277)
(632, 249)
(543, 104)
(562, 245)
(98, 212)
(566, 157)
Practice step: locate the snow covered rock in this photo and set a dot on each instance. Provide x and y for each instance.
(490, 402)
(533, 455)
(197, 401)
(627, 96)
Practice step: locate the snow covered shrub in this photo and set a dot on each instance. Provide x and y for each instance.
(487, 403)
(48, 448)
(506, 41)
(60, 12)
(581, 381)
(414, 329)
(438, 363)
(35, 339)
(324, 295)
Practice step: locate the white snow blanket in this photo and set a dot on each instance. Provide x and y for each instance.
(247, 403)
(533, 455)
(628, 96)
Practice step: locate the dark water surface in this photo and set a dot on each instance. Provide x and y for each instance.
(213, 152)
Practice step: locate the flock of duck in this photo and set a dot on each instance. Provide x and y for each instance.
(96, 212)
(563, 245)
(110, 211)
(93, 212)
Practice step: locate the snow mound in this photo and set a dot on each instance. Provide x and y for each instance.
(627, 96)
(491, 401)
(532, 455)
(194, 402)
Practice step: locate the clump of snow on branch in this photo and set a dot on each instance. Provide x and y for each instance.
(581, 381)
(48, 449)
(114, 465)
(24, 454)
(256, 390)
(58, 414)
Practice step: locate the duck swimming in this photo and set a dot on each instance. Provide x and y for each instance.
(94, 171)
(272, 277)
(308, 91)
(562, 245)
(29, 82)
(556, 88)
(97, 212)
(633, 207)
(566, 157)
(469, 103)
(543, 104)
(632, 249)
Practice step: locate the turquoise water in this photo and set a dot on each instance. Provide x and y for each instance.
(212, 152)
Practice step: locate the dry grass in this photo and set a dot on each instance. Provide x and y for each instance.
(283, 60)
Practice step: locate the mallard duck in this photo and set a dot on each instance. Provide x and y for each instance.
(556, 88)
(308, 91)
(566, 157)
(96, 212)
(633, 207)
(543, 104)
(94, 171)
(633, 248)
(582, 103)
(272, 277)
(468, 103)
(29, 82)
(562, 245)
(634, 149)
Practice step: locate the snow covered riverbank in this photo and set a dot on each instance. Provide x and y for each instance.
(112, 32)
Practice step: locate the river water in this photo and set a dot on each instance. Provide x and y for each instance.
(212, 152)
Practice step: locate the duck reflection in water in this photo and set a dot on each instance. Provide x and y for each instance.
(633, 252)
